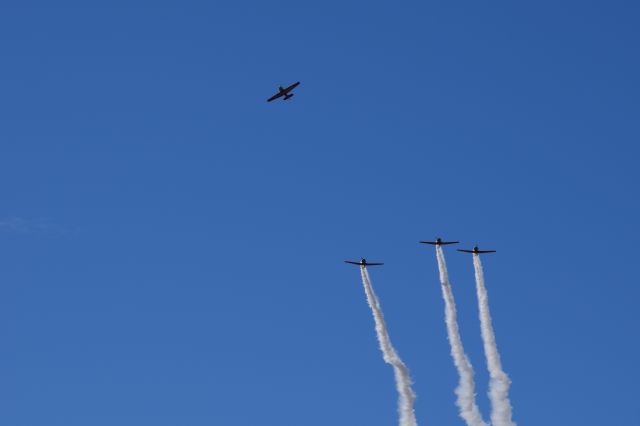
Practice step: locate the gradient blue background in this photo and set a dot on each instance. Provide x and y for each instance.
(171, 245)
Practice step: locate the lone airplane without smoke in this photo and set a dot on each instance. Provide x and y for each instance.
(476, 251)
(363, 262)
(284, 92)
(439, 242)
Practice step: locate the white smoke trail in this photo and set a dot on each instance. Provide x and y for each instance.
(401, 372)
(466, 390)
(499, 382)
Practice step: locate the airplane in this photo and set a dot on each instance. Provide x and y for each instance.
(476, 251)
(439, 242)
(284, 92)
(363, 262)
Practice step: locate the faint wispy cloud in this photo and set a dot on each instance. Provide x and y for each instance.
(27, 226)
(13, 224)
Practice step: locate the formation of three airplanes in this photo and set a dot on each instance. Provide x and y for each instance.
(438, 242)
(285, 93)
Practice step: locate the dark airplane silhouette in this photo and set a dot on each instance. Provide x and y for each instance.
(476, 251)
(363, 262)
(284, 92)
(439, 242)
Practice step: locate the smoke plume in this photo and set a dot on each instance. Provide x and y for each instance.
(403, 380)
(499, 382)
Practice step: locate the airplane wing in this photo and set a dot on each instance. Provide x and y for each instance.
(374, 264)
(442, 243)
(293, 86)
(466, 251)
(353, 263)
(274, 97)
(486, 251)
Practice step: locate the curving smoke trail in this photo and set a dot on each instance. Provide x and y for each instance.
(499, 382)
(466, 390)
(401, 372)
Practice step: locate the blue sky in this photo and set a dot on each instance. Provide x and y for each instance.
(172, 245)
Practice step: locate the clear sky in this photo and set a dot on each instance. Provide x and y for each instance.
(171, 245)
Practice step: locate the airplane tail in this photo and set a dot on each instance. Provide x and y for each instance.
(287, 97)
